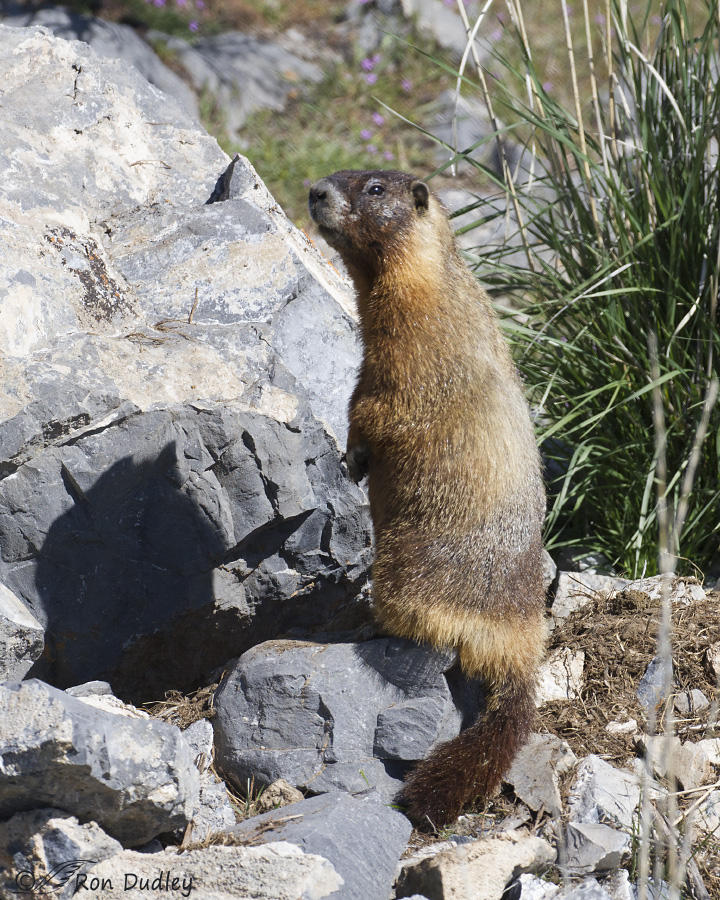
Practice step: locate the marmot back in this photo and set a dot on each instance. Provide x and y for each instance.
(439, 422)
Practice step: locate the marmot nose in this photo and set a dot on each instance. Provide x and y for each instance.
(319, 190)
(319, 194)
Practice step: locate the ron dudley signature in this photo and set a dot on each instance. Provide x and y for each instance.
(164, 882)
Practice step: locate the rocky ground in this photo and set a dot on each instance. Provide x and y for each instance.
(175, 516)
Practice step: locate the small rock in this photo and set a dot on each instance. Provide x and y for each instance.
(42, 840)
(680, 590)
(361, 838)
(576, 589)
(550, 570)
(629, 727)
(478, 869)
(689, 703)
(618, 885)
(691, 763)
(652, 687)
(534, 888)
(602, 794)
(589, 889)
(697, 761)
(108, 702)
(561, 676)
(22, 637)
(89, 689)
(277, 795)
(712, 658)
(707, 817)
(594, 848)
(536, 770)
(433, 849)
(199, 736)
(213, 813)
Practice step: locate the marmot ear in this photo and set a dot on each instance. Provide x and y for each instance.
(421, 193)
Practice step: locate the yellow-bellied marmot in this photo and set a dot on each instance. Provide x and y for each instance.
(439, 422)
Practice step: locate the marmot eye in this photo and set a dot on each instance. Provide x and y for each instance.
(376, 189)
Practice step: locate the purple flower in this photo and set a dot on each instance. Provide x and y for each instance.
(656, 20)
(406, 85)
(306, 182)
(547, 86)
(371, 77)
(599, 19)
(371, 148)
(181, 2)
(366, 134)
(159, 2)
(193, 26)
(388, 155)
(200, 4)
(378, 119)
(368, 64)
(496, 35)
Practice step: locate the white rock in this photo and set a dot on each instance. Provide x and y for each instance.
(561, 676)
(534, 888)
(691, 763)
(536, 769)
(618, 885)
(576, 589)
(602, 794)
(477, 869)
(629, 727)
(111, 703)
(713, 658)
(589, 889)
(199, 736)
(681, 590)
(688, 703)
(707, 817)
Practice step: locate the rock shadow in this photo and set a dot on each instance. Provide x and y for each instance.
(125, 580)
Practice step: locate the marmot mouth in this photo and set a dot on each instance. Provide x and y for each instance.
(333, 236)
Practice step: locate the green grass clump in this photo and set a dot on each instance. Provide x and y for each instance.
(621, 227)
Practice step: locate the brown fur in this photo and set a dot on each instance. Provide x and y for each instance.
(439, 422)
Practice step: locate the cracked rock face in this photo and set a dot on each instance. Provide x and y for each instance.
(175, 378)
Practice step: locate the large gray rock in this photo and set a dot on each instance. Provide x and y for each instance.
(174, 392)
(45, 848)
(135, 778)
(21, 637)
(333, 716)
(362, 840)
(108, 39)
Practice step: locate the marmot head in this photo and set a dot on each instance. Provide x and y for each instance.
(368, 215)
